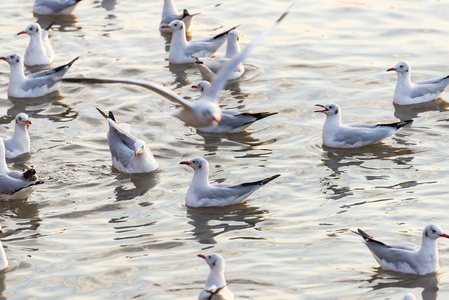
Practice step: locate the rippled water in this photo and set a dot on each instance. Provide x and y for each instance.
(93, 233)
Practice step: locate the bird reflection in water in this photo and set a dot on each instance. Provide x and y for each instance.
(142, 184)
(407, 112)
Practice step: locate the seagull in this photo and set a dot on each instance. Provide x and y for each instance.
(337, 135)
(231, 122)
(407, 260)
(170, 13)
(14, 184)
(3, 259)
(19, 142)
(184, 52)
(128, 154)
(39, 50)
(36, 84)
(210, 66)
(54, 7)
(204, 111)
(203, 194)
(216, 282)
(407, 92)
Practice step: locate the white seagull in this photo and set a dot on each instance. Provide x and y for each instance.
(184, 52)
(3, 259)
(205, 111)
(404, 259)
(170, 13)
(216, 287)
(407, 92)
(337, 135)
(231, 122)
(36, 84)
(39, 50)
(203, 194)
(14, 184)
(19, 142)
(54, 7)
(210, 66)
(128, 154)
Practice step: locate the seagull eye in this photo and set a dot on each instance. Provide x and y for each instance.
(433, 231)
(401, 66)
(20, 119)
(193, 161)
(331, 107)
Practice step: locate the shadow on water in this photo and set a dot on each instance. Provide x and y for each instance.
(23, 210)
(241, 216)
(64, 23)
(381, 279)
(407, 112)
(2, 285)
(142, 184)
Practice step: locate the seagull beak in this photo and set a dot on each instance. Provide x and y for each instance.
(194, 86)
(184, 162)
(240, 35)
(22, 32)
(322, 110)
(391, 69)
(202, 256)
(27, 122)
(216, 119)
(166, 26)
(2, 57)
(137, 152)
(444, 235)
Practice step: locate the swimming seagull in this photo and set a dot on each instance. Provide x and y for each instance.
(128, 154)
(170, 13)
(231, 122)
(210, 66)
(216, 287)
(404, 259)
(183, 52)
(14, 184)
(3, 259)
(203, 194)
(36, 84)
(39, 50)
(407, 92)
(205, 111)
(337, 135)
(19, 142)
(54, 7)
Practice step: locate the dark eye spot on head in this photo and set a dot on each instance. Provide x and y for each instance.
(426, 234)
(336, 111)
(180, 26)
(401, 66)
(17, 60)
(20, 119)
(213, 263)
(433, 230)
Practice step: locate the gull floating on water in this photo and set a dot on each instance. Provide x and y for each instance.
(210, 66)
(19, 142)
(204, 111)
(203, 194)
(39, 50)
(128, 154)
(170, 13)
(337, 135)
(231, 122)
(404, 259)
(183, 52)
(407, 92)
(3, 259)
(54, 7)
(36, 84)
(216, 287)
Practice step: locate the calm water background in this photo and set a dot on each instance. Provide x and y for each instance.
(92, 233)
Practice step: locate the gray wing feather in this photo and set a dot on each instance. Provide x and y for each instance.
(9, 185)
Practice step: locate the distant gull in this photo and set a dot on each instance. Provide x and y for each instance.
(337, 135)
(216, 287)
(19, 142)
(36, 84)
(203, 194)
(170, 13)
(54, 7)
(407, 92)
(39, 50)
(128, 154)
(404, 259)
(3, 259)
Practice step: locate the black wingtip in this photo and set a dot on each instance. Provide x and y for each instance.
(260, 115)
(261, 182)
(73, 60)
(49, 26)
(225, 33)
(102, 113)
(185, 13)
(287, 11)
(397, 125)
(111, 115)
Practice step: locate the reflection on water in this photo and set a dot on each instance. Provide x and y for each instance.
(210, 222)
(24, 210)
(407, 112)
(62, 23)
(142, 184)
(2, 284)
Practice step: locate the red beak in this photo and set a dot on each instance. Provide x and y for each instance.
(444, 235)
(391, 69)
(194, 87)
(202, 256)
(27, 122)
(2, 57)
(166, 26)
(184, 162)
(322, 110)
(22, 32)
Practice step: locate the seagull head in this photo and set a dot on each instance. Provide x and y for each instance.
(22, 119)
(433, 232)
(139, 147)
(202, 86)
(329, 109)
(32, 29)
(400, 67)
(214, 260)
(196, 163)
(12, 58)
(175, 25)
(234, 36)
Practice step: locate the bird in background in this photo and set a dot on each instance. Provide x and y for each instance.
(19, 142)
(39, 50)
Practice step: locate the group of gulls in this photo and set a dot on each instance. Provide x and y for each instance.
(131, 155)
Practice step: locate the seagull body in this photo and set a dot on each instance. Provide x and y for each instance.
(54, 7)
(404, 259)
(407, 92)
(170, 13)
(216, 287)
(3, 259)
(203, 194)
(36, 84)
(19, 142)
(128, 154)
(210, 66)
(337, 135)
(39, 50)
(181, 51)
